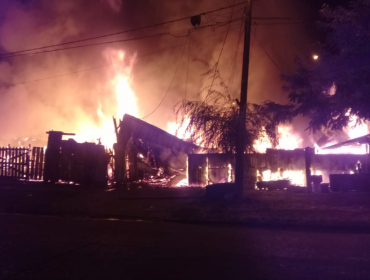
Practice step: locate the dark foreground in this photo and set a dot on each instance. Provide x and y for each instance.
(38, 247)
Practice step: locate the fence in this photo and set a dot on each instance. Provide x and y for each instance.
(36, 164)
(21, 163)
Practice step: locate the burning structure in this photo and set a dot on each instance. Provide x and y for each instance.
(142, 152)
(147, 154)
(143, 147)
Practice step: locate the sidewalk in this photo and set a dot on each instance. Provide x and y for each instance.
(350, 209)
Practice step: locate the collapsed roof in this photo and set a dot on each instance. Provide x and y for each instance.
(131, 126)
(356, 141)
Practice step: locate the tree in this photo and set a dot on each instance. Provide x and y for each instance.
(333, 90)
(214, 121)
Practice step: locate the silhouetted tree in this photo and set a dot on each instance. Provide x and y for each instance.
(333, 89)
(214, 121)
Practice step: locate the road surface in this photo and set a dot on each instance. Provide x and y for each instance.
(39, 247)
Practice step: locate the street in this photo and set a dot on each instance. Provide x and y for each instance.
(42, 247)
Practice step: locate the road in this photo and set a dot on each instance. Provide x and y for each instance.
(39, 247)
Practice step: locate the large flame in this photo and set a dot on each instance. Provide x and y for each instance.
(287, 140)
(125, 101)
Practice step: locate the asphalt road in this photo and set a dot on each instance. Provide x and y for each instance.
(38, 247)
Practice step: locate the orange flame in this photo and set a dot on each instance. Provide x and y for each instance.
(120, 84)
(287, 140)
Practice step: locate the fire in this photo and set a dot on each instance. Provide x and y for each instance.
(356, 150)
(287, 140)
(120, 83)
(263, 143)
(296, 177)
(353, 130)
(180, 130)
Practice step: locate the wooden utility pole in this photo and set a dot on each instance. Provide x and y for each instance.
(239, 164)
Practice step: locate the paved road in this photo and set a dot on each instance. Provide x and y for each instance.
(36, 247)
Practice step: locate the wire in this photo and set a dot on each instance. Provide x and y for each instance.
(280, 18)
(187, 69)
(173, 78)
(266, 52)
(89, 45)
(121, 32)
(254, 39)
(281, 22)
(232, 67)
(218, 60)
(219, 24)
(109, 64)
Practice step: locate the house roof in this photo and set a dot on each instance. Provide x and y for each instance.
(142, 130)
(356, 141)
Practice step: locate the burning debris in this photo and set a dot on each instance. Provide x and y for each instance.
(147, 153)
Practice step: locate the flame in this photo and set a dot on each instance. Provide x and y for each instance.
(287, 140)
(353, 130)
(180, 130)
(296, 177)
(263, 143)
(120, 84)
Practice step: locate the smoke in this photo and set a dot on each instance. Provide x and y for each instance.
(114, 4)
(69, 103)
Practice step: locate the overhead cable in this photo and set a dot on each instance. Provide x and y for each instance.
(113, 63)
(122, 32)
(219, 24)
(173, 78)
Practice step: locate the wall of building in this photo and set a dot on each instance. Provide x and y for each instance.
(204, 169)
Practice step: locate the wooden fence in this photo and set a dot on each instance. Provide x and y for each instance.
(21, 163)
(37, 164)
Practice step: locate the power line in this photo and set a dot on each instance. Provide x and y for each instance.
(89, 45)
(110, 64)
(187, 68)
(218, 60)
(280, 18)
(173, 78)
(281, 23)
(121, 32)
(232, 66)
(266, 52)
(219, 24)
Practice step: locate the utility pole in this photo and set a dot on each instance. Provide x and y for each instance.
(239, 164)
